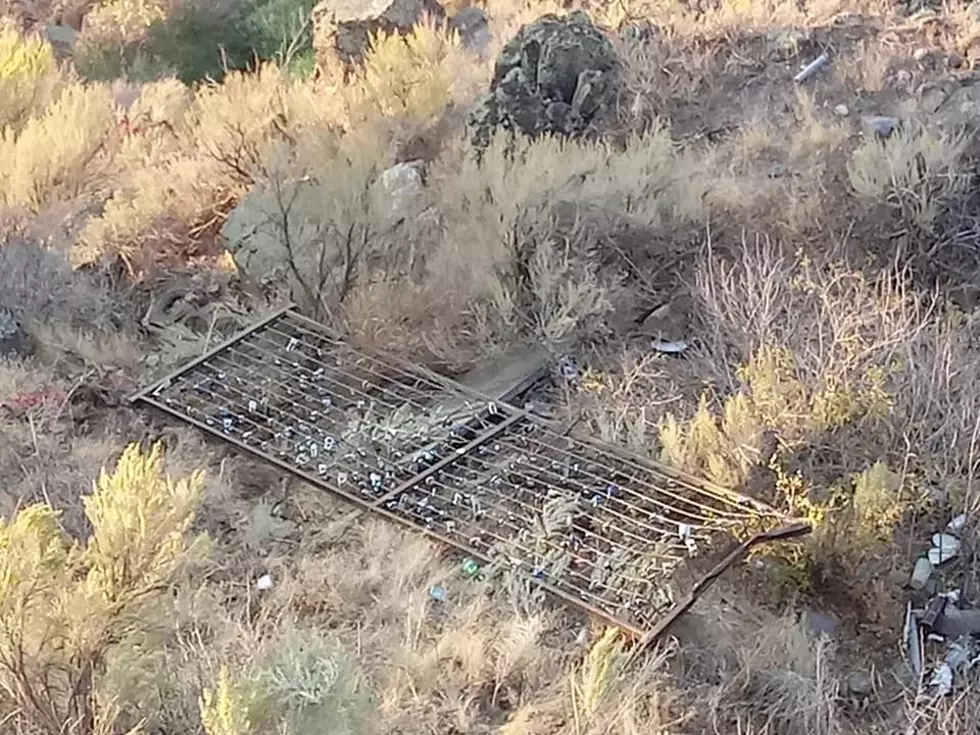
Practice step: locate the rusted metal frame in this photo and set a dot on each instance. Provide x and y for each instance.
(646, 637)
(784, 533)
(448, 383)
(405, 521)
(258, 453)
(446, 461)
(671, 473)
(234, 339)
(563, 430)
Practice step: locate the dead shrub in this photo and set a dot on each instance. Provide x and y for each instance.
(40, 287)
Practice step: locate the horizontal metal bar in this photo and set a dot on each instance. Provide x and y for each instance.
(173, 375)
(399, 519)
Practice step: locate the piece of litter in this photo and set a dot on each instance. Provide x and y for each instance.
(953, 596)
(264, 582)
(921, 573)
(944, 547)
(671, 348)
(438, 593)
(942, 680)
(913, 641)
(812, 68)
(938, 556)
(470, 567)
(937, 606)
(957, 524)
(962, 654)
(842, 111)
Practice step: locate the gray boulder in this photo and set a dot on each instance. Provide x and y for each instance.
(345, 27)
(473, 29)
(554, 77)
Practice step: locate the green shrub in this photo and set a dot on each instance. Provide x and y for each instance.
(26, 64)
(196, 42)
(301, 683)
(65, 604)
(279, 30)
(200, 43)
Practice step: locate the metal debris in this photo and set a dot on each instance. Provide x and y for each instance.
(671, 348)
(812, 68)
(912, 639)
(943, 621)
(945, 546)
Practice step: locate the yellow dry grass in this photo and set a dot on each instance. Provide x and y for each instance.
(848, 382)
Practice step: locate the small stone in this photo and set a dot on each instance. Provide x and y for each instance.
(841, 111)
(882, 125)
(860, 684)
(821, 623)
(152, 360)
(403, 182)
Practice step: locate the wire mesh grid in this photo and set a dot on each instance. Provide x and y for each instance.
(602, 529)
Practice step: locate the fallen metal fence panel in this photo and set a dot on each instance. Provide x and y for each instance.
(598, 527)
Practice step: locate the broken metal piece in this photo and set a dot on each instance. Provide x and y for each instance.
(812, 68)
(912, 642)
(936, 607)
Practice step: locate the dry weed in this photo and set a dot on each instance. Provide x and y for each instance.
(915, 172)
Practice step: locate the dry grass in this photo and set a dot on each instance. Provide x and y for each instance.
(834, 374)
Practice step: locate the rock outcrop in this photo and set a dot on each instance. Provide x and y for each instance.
(13, 340)
(345, 27)
(473, 29)
(554, 77)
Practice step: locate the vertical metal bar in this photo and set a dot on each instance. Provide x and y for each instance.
(445, 461)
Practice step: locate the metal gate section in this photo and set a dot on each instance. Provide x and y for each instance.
(596, 526)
